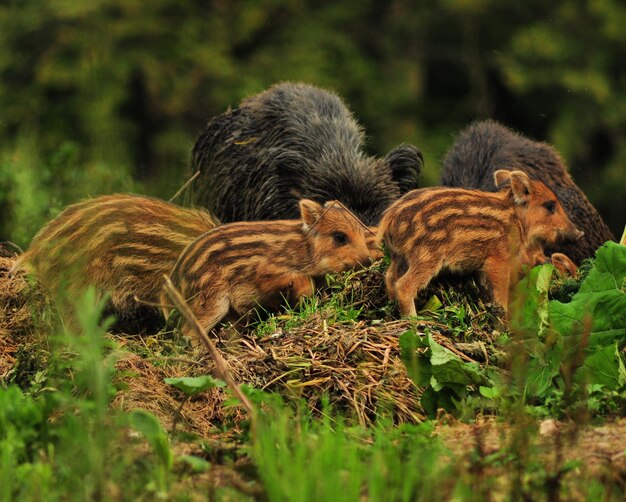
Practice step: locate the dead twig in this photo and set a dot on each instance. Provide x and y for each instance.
(184, 187)
(221, 366)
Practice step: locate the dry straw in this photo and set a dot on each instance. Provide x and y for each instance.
(22, 305)
(353, 364)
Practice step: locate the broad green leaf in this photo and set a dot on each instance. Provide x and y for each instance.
(432, 401)
(529, 308)
(543, 287)
(457, 389)
(490, 392)
(541, 373)
(418, 365)
(432, 305)
(450, 369)
(429, 401)
(621, 378)
(604, 367)
(599, 307)
(194, 385)
(444, 375)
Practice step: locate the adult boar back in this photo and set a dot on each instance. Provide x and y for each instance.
(484, 147)
(290, 142)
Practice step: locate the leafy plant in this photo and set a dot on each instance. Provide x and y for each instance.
(194, 385)
(577, 343)
(444, 376)
(560, 350)
(599, 307)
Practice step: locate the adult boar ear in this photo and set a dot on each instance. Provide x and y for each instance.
(310, 211)
(405, 162)
(288, 164)
(521, 186)
(287, 169)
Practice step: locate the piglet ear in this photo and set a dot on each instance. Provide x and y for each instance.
(521, 186)
(501, 176)
(310, 211)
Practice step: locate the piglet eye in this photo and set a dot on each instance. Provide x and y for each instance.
(340, 238)
(550, 206)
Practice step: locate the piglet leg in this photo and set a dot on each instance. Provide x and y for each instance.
(407, 287)
(498, 274)
(210, 313)
(301, 286)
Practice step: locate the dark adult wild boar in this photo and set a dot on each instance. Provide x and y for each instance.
(465, 231)
(484, 147)
(239, 266)
(290, 142)
(120, 244)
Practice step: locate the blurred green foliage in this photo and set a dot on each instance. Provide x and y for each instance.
(110, 95)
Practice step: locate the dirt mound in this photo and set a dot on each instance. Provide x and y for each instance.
(355, 366)
(341, 349)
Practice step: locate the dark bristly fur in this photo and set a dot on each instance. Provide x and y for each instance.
(121, 244)
(484, 147)
(240, 266)
(290, 142)
(464, 231)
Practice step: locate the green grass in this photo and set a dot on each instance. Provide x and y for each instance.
(306, 460)
(63, 441)
(60, 438)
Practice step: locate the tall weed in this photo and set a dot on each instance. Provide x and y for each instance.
(65, 442)
(306, 460)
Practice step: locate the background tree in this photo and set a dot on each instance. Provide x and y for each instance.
(110, 95)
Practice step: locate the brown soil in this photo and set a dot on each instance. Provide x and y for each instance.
(550, 453)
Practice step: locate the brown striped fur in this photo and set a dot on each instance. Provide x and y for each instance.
(242, 265)
(462, 230)
(122, 244)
